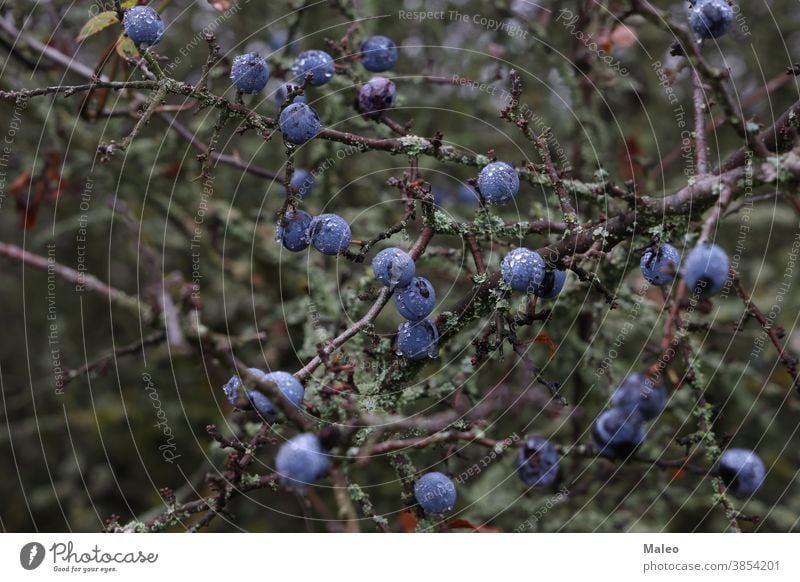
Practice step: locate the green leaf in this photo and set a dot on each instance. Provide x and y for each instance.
(97, 23)
(125, 48)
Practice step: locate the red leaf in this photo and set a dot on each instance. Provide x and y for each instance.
(545, 339)
(20, 183)
(408, 521)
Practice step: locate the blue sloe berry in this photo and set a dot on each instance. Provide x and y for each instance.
(638, 394)
(261, 403)
(301, 461)
(416, 301)
(303, 182)
(660, 265)
(418, 340)
(289, 386)
(299, 123)
(435, 493)
(537, 462)
(143, 25)
(466, 195)
(552, 284)
(742, 471)
(329, 234)
(378, 54)
(317, 62)
(394, 268)
(376, 96)
(523, 270)
(293, 230)
(705, 269)
(249, 73)
(231, 387)
(282, 93)
(617, 434)
(498, 183)
(711, 18)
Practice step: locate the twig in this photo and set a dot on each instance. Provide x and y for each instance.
(789, 361)
(80, 279)
(700, 147)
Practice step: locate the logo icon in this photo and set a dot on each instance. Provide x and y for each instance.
(31, 555)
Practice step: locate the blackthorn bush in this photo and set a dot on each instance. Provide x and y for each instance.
(572, 220)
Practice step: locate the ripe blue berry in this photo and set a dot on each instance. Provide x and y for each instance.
(467, 195)
(378, 54)
(706, 269)
(498, 183)
(638, 394)
(617, 434)
(659, 265)
(523, 270)
(283, 92)
(552, 284)
(301, 461)
(299, 123)
(418, 340)
(293, 230)
(742, 471)
(330, 234)
(303, 181)
(143, 25)
(416, 301)
(249, 73)
(711, 18)
(261, 403)
(319, 63)
(435, 493)
(231, 387)
(394, 268)
(537, 462)
(376, 96)
(289, 386)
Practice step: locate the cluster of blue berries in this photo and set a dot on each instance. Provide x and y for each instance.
(711, 18)
(330, 234)
(619, 431)
(524, 270)
(298, 122)
(705, 269)
(378, 54)
(415, 298)
(291, 388)
(302, 459)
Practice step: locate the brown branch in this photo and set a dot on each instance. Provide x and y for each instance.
(81, 280)
(789, 361)
(700, 147)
